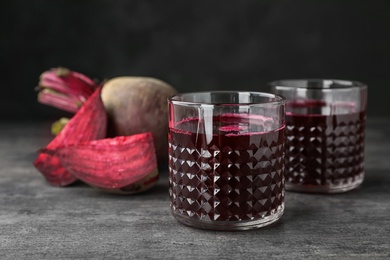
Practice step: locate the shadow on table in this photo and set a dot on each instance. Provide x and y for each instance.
(376, 182)
(157, 192)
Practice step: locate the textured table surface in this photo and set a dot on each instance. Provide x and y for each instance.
(38, 221)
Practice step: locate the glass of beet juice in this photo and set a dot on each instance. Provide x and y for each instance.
(325, 122)
(226, 159)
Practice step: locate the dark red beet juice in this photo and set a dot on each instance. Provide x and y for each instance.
(235, 174)
(324, 153)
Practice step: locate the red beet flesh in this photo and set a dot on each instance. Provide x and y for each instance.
(65, 89)
(110, 163)
(89, 123)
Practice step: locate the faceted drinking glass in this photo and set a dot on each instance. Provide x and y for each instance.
(325, 126)
(226, 159)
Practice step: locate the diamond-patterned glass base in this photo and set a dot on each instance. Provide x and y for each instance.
(228, 187)
(230, 225)
(325, 153)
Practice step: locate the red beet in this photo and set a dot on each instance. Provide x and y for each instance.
(89, 123)
(123, 162)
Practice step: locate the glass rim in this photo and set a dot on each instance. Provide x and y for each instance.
(274, 99)
(318, 84)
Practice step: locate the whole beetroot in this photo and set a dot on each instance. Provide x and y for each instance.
(136, 105)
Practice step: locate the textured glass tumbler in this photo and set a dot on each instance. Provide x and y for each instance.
(226, 159)
(325, 122)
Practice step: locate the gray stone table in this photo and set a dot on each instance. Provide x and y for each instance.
(38, 221)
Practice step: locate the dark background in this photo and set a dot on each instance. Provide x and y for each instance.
(193, 45)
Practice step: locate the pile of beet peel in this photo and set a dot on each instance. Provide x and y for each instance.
(82, 150)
